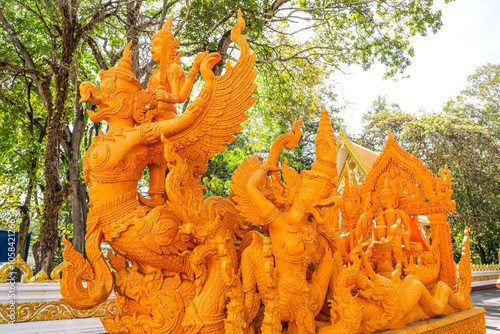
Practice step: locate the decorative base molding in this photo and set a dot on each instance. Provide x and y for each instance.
(464, 322)
(42, 302)
(470, 321)
(478, 285)
(73, 326)
(34, 292)
(28, 312)
(488, 286)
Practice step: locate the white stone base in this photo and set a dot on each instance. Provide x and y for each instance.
(71, 326)
(491, 282)
(34, 292)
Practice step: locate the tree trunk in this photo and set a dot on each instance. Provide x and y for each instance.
(55, 193)
(480, 249)
(23, 230)
(222, 50)
(132, 32)
(78, 196)
(37, 255)
(25, 216)
(78, 206)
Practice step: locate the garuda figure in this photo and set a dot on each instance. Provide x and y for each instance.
(172, 249)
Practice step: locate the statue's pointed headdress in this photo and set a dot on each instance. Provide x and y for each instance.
(121, 80)
(388, 193)
(123, 69)
(166, 35)
(326, 149)
(324, 170)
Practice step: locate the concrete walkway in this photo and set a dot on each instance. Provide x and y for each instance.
(489, 299)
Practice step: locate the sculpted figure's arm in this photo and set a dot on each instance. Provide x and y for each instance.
(366, 263)
(150, 133)
(406, 221)
(393, 232)
(191, 76)
(204, 61)
(265, 209)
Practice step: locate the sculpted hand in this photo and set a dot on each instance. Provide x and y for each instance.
(161, 94)
(270, 168)
(198, 59)
(206, 68)
(260, 171)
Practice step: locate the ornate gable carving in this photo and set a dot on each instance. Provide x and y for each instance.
(419, 192)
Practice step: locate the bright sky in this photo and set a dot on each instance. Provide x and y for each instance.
(468, 39)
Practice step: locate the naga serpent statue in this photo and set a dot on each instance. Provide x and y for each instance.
(286, 252)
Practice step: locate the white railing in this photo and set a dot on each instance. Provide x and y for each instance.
(484, 275)
(35, 306)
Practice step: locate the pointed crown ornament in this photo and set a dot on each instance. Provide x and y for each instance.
(325, 166)
(167, 36)
(123, 70)
(387, 195)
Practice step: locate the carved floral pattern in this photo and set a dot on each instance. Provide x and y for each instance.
(44, 311)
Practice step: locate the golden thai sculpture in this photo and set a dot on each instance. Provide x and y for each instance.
(286, 253)
(165, 268)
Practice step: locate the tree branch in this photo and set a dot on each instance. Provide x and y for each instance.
(22, 70)
(188, 6)
(34, 73)
(96, 52)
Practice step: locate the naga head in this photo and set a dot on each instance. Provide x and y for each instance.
(118, 87)
(165, 35)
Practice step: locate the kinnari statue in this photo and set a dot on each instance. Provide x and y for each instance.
(286, 253)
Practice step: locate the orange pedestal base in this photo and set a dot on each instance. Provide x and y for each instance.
(463, 322)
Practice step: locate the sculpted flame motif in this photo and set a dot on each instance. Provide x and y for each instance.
(286, 253)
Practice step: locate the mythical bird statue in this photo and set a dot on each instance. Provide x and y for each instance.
(168, 246)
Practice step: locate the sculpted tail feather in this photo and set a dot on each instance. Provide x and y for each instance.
(95, 273)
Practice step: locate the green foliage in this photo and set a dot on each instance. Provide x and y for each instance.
(293, 68)
(473, 158)
(20, 148)
(220, 169)
(480, 101)
(362, 32)
(379, 120)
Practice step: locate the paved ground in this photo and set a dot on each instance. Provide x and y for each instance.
(490, 300)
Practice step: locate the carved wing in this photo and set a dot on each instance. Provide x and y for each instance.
(223, 110)
(239, 179)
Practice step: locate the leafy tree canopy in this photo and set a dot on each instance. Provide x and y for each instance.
(480, 101)
(473, 158)
(47, 51)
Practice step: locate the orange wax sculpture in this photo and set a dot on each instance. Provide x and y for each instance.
(285, 252)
